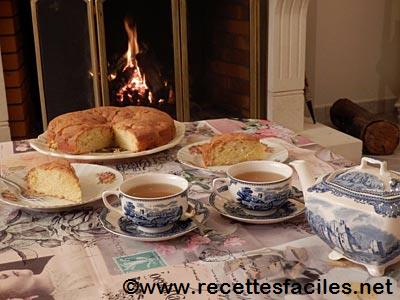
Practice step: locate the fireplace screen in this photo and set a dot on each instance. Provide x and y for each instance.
(192, 59)
(65, 58)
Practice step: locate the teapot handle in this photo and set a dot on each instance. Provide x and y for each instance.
(383, 165)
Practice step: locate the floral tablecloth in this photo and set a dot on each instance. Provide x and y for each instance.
(69, 255)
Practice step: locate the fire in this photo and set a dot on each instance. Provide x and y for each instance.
(133, 46)
(136, 87)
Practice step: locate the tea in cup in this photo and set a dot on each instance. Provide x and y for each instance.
(258, 185)
(152, 201)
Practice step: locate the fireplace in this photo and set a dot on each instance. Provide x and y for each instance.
(136, 53)
(218, 66)
(192, 59)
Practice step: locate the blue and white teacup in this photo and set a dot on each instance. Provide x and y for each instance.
(153, 215)
(258, 196)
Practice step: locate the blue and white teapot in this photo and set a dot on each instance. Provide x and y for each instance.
(356, 211)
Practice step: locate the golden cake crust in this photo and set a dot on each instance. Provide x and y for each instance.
(42, 180)
(60, 164)
(226, 140)
(149, 128)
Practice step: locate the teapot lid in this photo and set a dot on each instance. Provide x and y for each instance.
(367, 179)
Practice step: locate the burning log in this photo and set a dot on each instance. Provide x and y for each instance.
(148, 63)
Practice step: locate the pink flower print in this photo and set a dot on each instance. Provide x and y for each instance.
(234, 241)
(164, 249)
(265, 122)
(195, 241)
(267, 132)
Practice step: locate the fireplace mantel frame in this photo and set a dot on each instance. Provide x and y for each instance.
(286, 62)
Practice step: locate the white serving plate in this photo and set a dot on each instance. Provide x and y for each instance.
(193, 160)
(89, 179)
(40, 145)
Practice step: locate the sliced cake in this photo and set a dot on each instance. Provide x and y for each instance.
(133, 128)
(232, 148)
(56, 179)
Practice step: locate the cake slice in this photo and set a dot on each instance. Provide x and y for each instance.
(56, 179)
(232, 148)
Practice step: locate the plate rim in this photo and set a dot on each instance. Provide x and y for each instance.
(104, 212)
(211, 201)
(220, 169)
(71, 205)
(39, 146)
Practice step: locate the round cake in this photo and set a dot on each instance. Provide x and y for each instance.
(133, 128)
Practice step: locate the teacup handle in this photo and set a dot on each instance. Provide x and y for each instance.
(105, 195)
(190, 213)
(223, 180)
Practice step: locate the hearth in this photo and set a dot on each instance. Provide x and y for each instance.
(192, 59)
(136, 41)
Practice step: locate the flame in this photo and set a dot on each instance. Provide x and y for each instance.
(133, 46)
(137, 82)
(112, 76)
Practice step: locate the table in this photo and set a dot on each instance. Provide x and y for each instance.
(69, 255)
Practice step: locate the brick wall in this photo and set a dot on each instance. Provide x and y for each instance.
(15, 68)
(229, 57)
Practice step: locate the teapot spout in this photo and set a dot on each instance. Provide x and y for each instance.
(303, 170)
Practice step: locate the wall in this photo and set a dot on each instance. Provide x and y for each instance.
(16, 58)
(353, 51)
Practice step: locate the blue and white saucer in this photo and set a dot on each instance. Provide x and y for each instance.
(114, 223)
(234, 210)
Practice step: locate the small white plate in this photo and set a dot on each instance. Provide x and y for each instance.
(40, 145)
(233, 210)
(93, 179)
(194, 160)
(114, 223)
